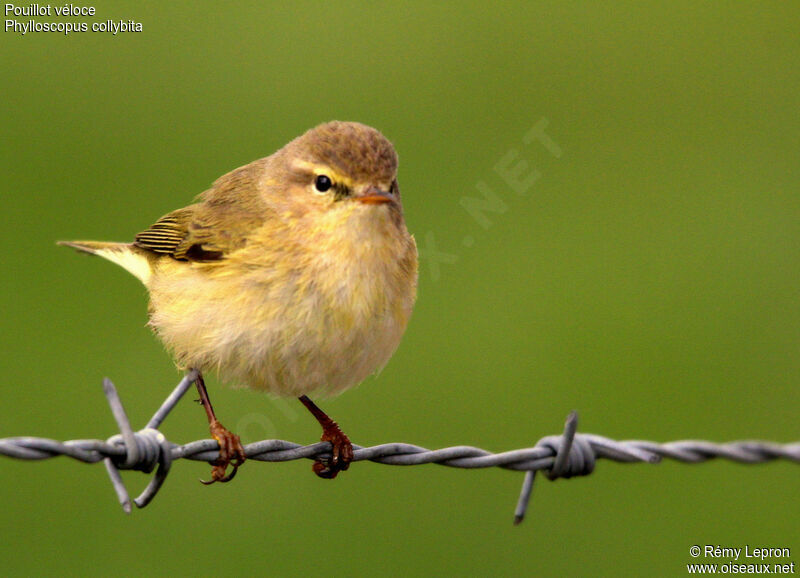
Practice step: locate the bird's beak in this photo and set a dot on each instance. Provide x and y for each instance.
(375, 196)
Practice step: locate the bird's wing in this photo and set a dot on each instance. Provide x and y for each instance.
(209, 230)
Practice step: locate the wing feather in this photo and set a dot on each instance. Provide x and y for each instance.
(209, 230)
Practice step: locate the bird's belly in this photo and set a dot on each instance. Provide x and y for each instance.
(292, 339)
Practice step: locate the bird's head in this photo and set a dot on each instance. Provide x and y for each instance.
(342, 165)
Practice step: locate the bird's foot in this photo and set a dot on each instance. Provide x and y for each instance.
(341, 452)
(231, 453)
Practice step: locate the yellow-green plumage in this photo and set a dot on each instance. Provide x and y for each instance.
(279, 286)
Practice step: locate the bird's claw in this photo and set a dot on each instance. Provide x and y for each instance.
(231, 453)
(341, 453)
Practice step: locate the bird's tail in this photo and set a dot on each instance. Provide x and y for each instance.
(126, 255)
(93, 247)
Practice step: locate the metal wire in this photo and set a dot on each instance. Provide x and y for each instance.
(563, 456)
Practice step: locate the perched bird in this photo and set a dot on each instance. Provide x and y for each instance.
(294, 275)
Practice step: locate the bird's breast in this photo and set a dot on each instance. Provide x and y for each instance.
(315, 312)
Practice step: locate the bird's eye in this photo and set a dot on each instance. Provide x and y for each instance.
(323, 183)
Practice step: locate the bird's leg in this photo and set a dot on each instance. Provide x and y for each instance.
(342, 449)
(231, 452)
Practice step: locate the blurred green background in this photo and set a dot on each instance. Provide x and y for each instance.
(649, 279)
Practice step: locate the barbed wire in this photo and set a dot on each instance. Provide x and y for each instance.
(558, 456)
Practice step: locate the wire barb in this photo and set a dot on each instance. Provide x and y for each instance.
(563, 456)
(566, 463)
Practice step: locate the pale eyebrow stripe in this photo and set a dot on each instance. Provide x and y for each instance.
(306, 166)
(315, 168)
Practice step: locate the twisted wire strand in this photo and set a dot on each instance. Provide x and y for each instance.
(404, 454)
(562, 456)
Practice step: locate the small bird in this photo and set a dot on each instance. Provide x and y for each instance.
(293, 275)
